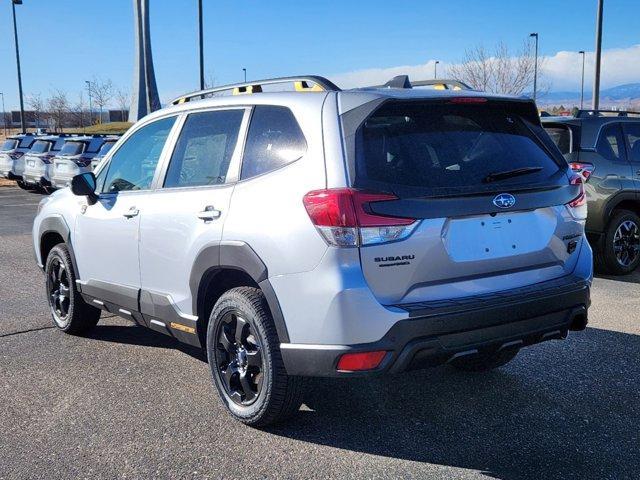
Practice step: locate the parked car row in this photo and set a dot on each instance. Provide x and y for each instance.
(49, 162)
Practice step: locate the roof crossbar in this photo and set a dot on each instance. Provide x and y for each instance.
(596, 113)
(302, 83)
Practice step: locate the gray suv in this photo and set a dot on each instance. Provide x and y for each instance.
(325, 232)
(604, 148)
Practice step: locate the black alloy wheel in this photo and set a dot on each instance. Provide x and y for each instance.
(238, 358)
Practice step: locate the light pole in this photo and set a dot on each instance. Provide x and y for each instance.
(15, 35)
(535, 67)
(244, 70)
(596, 78)
(201, 44)
(435, 69)
(4, 116)
(90, 106)
(582, 82)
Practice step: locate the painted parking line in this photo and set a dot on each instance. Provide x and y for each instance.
(19, 205)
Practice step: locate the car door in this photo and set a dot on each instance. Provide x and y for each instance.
(632, 140)
(106, 233)
(184, 216)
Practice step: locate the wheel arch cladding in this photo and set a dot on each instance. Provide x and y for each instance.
(621, 201)
(51, 231)
(233, 264)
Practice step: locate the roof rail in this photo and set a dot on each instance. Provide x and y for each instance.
(598, 113)
(402, 81)
(305, 83)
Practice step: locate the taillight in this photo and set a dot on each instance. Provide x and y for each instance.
(345, 219)
(578, 206)
(583, 169)
(16, 155)
(357, 362)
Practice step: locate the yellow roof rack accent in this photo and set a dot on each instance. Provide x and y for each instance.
(306, 83)
(303, 86)
(247, 89)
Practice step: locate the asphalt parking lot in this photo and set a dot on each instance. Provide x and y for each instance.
(127, 402)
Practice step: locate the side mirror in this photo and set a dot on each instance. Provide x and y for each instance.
(84, 185)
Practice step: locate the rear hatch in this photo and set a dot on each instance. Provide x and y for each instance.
(487, 190)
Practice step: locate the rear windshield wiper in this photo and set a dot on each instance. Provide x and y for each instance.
(495, 176)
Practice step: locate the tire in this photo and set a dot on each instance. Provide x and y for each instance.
(23, 185)
(606, 260)
(69, 312)
(249, 374)
(484, 362)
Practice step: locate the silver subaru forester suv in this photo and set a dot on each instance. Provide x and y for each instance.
(325, 232)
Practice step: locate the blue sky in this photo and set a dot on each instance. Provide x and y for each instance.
(64, 42)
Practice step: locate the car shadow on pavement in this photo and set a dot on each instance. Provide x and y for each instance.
(560, 410)
(631, 278)
(144, 337)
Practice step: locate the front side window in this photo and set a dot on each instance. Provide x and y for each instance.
(632, 132)
(274, 140)
(132, 167)
(8, 144)
(204, 149)
(611, 143)
(40, 146)
(72, 148)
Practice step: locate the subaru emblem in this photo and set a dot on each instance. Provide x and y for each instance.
(504, 200)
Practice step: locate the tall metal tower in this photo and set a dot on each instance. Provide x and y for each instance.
(145, 97)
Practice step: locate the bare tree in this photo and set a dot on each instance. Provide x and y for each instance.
(101, 92)
(58, 106)
(79, 110)
(37, 104)
(501, 72)
(123, 99)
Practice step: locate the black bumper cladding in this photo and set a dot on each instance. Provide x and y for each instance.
(437, 332)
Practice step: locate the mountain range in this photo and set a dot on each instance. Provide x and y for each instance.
(621, 95)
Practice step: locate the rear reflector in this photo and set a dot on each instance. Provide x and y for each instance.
(356, 362)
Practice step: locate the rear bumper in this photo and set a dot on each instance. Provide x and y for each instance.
(434, 334)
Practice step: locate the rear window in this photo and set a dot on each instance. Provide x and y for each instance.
(26, 142)
(438, 149)
(40, 146)
(105, 148)
(561, 136)
(72, 148)
(8, 144)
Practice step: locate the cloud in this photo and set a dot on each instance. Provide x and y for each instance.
(561, 71)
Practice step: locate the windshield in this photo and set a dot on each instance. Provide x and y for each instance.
(105, 148)
(8, 144)
(40, 146)
(438, 149)
(72, 148)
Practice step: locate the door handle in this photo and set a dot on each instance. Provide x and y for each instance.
(209, 213)
(132, 212)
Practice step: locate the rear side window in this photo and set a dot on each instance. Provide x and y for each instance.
(611, 143)
(274, 140)
(73, 148)
(204, 149)
(632, 132)
(40, 146)
(133, 165)
(8, 144)
(436, 148)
